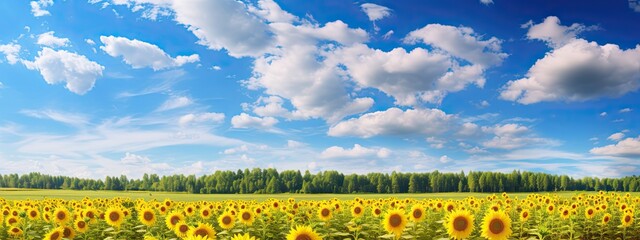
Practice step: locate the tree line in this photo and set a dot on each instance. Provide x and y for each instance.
(291, 181)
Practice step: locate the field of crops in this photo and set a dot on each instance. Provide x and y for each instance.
(600, 215)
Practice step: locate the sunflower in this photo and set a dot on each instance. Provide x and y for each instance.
(525, 215)
(80, 225)
(303, 232)
(181, 229)
(114, 216)
(54, 234)
(551, 208)
(12, 220)
(246, 236)
(226, 220)
(565, 213)
(496, 225)
(197, 238)
(204, 230)
(15, 231)
(147, 217)
(173, 218)
(246, 217)
(205, 213)
(606, 218)
(395, 221)
(376, 211)
(61, 216)
(33, 213)
(91, 214)
(417, 213)
(589, 212)
(324, 213)
(357, 210)
(68, 232)
(459, 224)
(627, 220)
(190, 210)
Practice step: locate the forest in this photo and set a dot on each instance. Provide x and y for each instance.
(291, 181)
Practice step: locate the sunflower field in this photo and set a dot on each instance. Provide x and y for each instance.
(583, 216)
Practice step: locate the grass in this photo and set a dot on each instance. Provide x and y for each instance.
(36, 194)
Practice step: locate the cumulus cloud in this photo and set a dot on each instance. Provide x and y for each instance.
(246, 121)
(140, 54)
(47, 39)
(195, 118)
(603, 114)
(461, 42)
(394, 121)
(38, 7)
(629, 147)
(10, 52)
(78, 72)
(357, 151)
(272, 12)
(133, 159)
(635, 5)
(576, 70)
(625, 110)
(512, 136)
(375, 12)
(486, 2)
(224, 24)
(552, 32)
(616, 136)
(175, 102)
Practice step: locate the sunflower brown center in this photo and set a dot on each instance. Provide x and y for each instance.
(205, 213)
(226, 220)
(55, 235)
(449, 208)
(325, 212)
(525, 214)
(378, 211)
(590, 211)
(357, 210)
(246, 216)
(90, 215)
(15, 230)
(550, 208)
(114, 216)
(627, 218)
(189, 210)
(148, 216)
(61, 215)
(175, 220)
(496, 226)
(460, 223)
(33, 214)
(201, 232)
(81, 224)
(303, 236)
(395, 220)
(606, 218)
(565, 212)
(417, 213)
(66, 233)
(184, 228)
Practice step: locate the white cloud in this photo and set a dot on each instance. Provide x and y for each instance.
(593, 139)
(38, 7)
(436, 142)
(356, 152)
(72, 119)
(475, 150)
(11, 51)
(552, 32)
(47, 39)
(78, 72)
(461, 42)
(133, 159)
(445, 159)
(635, 5)
(512, 136)
(603, 114)
(272, 12)
(175, 102)
(375, 12)
(629, 147)
(387, 35)
(625, 110)
(140, 54)
(224, 24)
(576, 70)
(295, 144)
(195, 118)
(246, 121)
(486, 2)
(394, 121)
(217, 68)
(90, 42)
(616, 137)
(240, 149)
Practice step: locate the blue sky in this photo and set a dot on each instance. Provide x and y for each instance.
(109, 87)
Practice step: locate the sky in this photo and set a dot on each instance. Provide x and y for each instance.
(125, 87)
